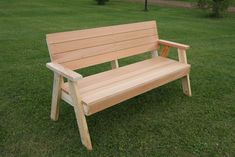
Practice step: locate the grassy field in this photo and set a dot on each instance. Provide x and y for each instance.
(162, 122)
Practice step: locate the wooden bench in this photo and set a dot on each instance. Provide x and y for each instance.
(82, 48)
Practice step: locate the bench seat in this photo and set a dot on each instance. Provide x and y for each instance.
(108, 88)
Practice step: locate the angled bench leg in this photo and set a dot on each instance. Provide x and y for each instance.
(80, 116)
(186, 85)
(56, 96)
(185, 80)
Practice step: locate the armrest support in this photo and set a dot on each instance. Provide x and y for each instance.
(65, 72)
(173, 44)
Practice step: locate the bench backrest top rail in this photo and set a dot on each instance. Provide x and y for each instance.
(83, 48)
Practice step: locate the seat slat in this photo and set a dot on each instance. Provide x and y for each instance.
(132, 92)
(123, 75)
(102, 40)
(95, 32)
(104, 87)
(110, 90)
(114, 75)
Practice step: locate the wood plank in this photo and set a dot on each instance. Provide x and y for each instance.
(56, 96)
(173, 44)
(165, 51)
(132, 92)
(116, 88)
(154, 53)
(114, 64)
(65, 72)
(182, 56)
(99, 78)
(66, 97)
(101, 40)
(185, 80)
(93, 51)
(85, 62)
(101, 31)
(114, 78)
(80, 116)
(186, 85)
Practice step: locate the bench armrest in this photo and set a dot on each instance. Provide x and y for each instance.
(65, 72)
(173, 44)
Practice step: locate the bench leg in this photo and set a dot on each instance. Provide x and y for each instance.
(80, 116)
(186, 85)
(56, 96)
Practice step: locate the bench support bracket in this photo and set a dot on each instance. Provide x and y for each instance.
(165, 51)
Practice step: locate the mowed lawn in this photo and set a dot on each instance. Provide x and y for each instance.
(162, 122)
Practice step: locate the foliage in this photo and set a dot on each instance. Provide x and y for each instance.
(101, 2)
(217, 7)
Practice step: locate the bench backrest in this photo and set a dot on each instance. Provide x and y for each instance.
(83, 48)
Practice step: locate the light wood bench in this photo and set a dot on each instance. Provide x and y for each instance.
(82, 48)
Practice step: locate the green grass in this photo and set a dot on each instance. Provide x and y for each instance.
(162, 122)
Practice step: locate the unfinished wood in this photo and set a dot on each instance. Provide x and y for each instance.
(125, 95)
(70, 48)
(108, 77)
(80, 116)
(165, 51)
(173, 44)
(101, 31)
(182, 56)
(104, 92)
(101, 40)
(56, 95)
(93, 51)
(65, 72)
(114, 64)
(186, 85)
(66, 97)
(78, 49)
(103, 86)
(89, 61)
(154, 53)
(185, 80)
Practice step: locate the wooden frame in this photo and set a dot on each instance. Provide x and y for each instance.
(144, 33)
(182, 56)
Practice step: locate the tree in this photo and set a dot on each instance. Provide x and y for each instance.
(217, 7)
(101, 2)
(146, 5)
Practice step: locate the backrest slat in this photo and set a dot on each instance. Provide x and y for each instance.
(91, 45)
(101, 40)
